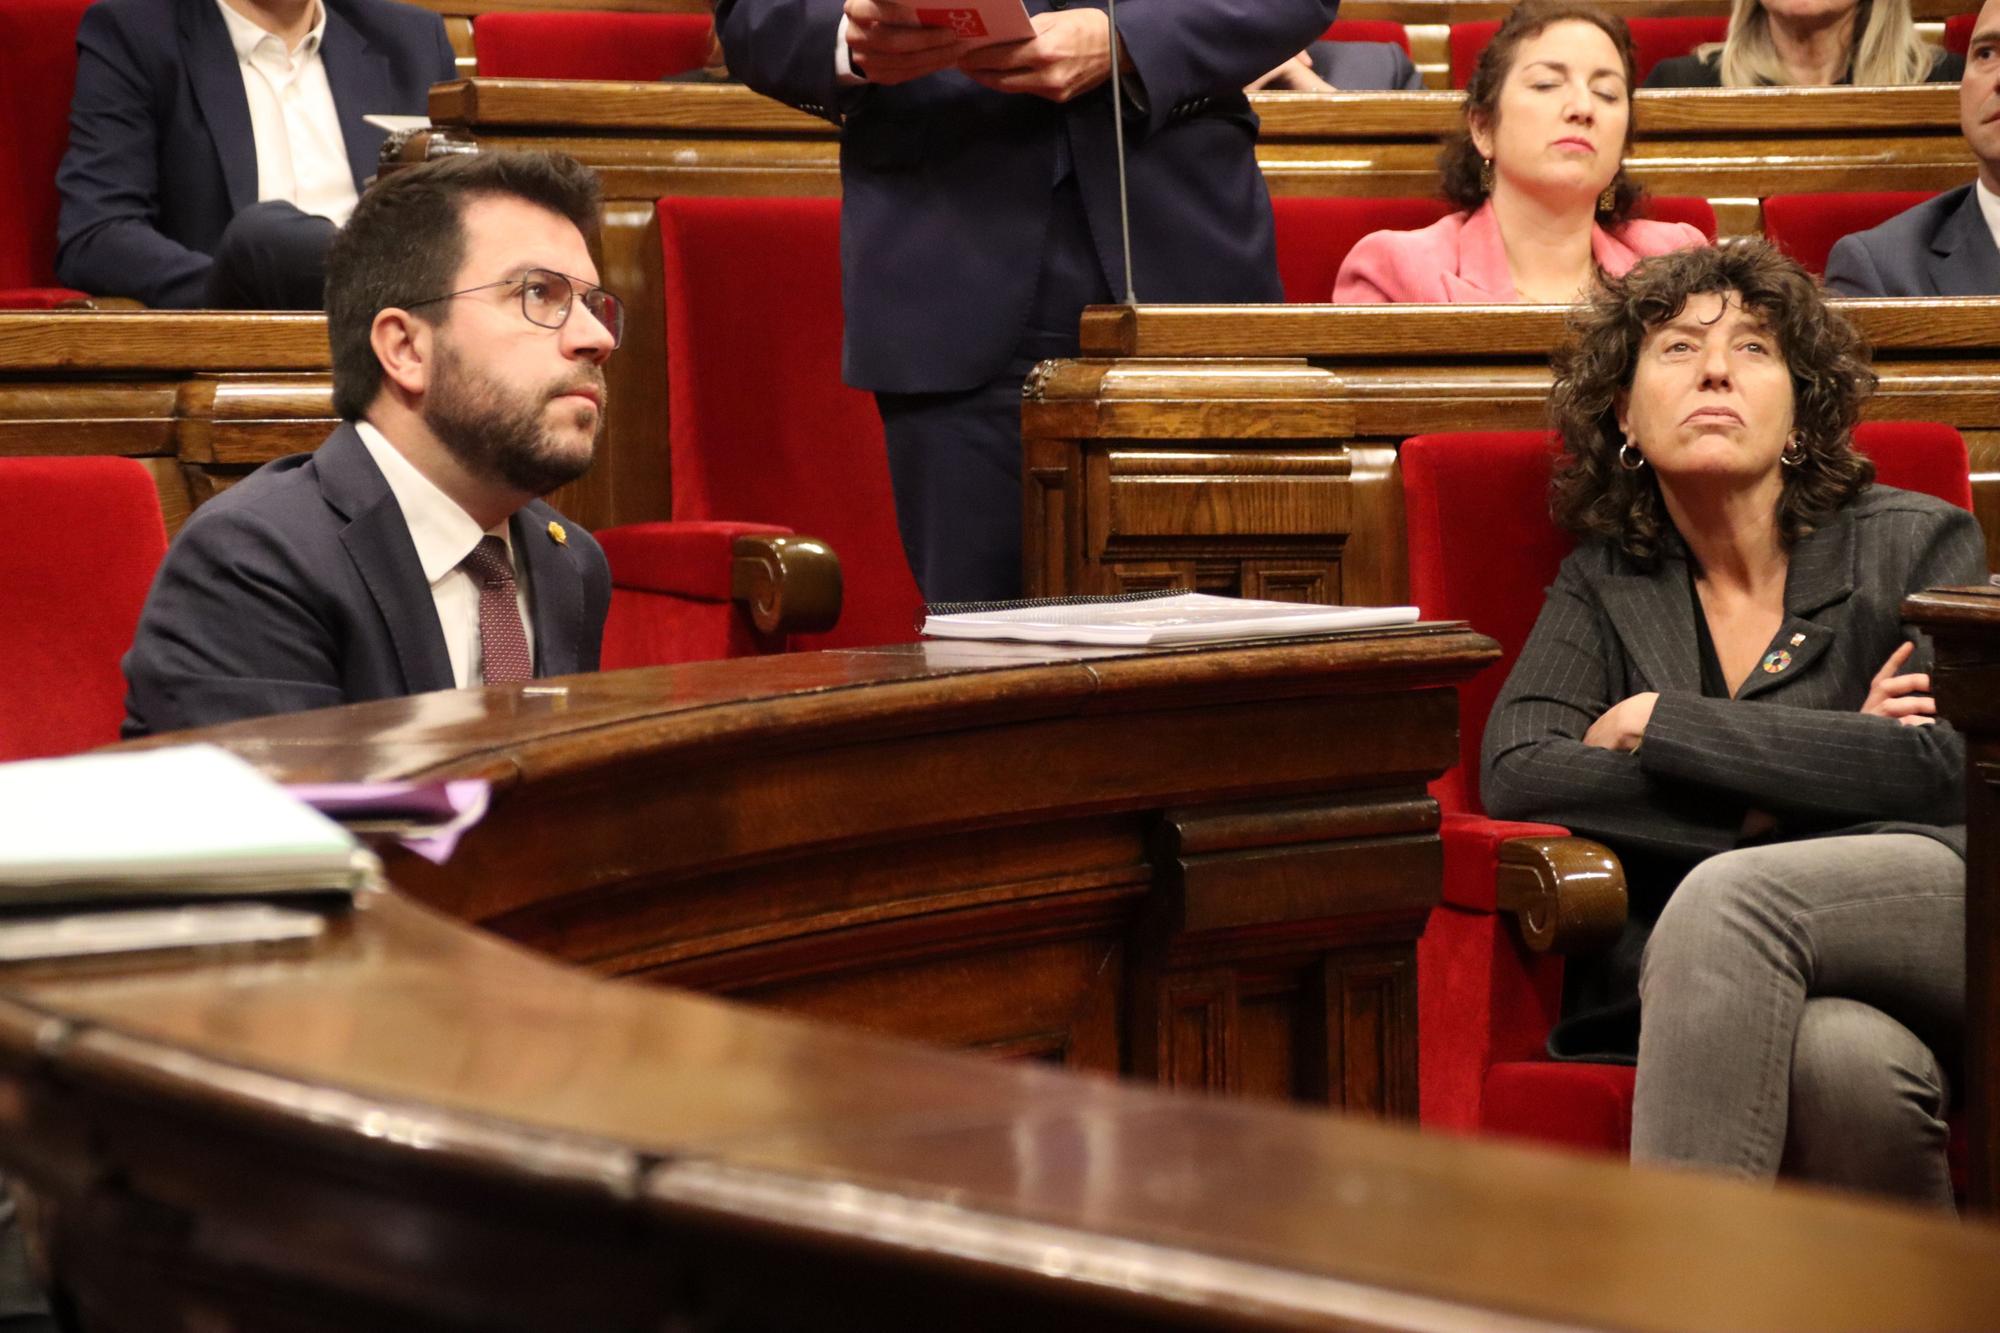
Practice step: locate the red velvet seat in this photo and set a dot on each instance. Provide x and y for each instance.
(760, 426)
(37, 75)
(1653, 40)
(1481, 548)
(1806, 226)
(1315, 232)
(1368, 30)
(1958, 33)
(581, 44)
(84, 537)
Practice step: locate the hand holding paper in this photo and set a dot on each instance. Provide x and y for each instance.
(1069, 55)
(890, 43)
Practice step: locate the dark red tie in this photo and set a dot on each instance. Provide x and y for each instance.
(503, 647)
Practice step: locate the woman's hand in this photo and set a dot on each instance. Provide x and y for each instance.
(1623, 725)
(1905, 698)
(1294, 76)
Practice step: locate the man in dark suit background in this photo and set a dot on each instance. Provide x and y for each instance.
(409, 553)
(215, 145)
(980, 214)
(1950, 245)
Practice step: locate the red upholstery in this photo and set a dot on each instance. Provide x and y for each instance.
(1368, 30)
(1958, 33)
(1478, 552)
(36, 298)
(84, 537)
(37, 75)
(1653, 40)
(1691, 209)
(670, 602)
(761, 428)
(1316, 232)
(580, 44)
(1806, 226)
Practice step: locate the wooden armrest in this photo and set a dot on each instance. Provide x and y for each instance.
(791, 584)
(1568, 893)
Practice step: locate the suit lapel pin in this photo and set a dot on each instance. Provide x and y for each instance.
(558, 535)
(1798, 639)
(1775, 662)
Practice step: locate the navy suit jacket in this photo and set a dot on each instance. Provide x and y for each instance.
(161, 155)
(1942, 247)
(947, 186)
(300, 588)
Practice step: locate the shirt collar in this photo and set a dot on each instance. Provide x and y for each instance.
(1989, 207)
(443, 533)
(246, 36)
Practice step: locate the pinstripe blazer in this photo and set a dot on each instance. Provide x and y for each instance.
(1791, 742)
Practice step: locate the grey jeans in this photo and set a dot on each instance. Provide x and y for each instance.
(1794, 1002)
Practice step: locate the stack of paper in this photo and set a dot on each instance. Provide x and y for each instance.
(1185, 618)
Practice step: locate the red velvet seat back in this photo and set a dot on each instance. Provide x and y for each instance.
(84, 537)
(1481, 548)
(1958, 33)
(761, 428)
(1316, 232)
(1653, 40)
(1806, 226)
(1368, 30)
(632, 48)
(37, 76)
(1691, 209)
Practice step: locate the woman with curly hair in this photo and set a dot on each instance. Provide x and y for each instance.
(1720, 686)
(1537, 173)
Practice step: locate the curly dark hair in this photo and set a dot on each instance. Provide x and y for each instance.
(1459, 161)
(1594, 496)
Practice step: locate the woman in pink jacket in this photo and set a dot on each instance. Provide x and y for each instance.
(1538, 171)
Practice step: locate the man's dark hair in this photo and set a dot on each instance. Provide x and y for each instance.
(1594, 496)
(1459, 163)
(406, 241)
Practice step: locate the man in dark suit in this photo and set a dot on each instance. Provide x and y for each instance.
(410, 553)
(215, 145)
(1944, 246)
(980, 214)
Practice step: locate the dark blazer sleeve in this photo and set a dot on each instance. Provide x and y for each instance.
(1824, 764)
(596, 603)
(785, 49)
(229, 631)
(1187, 51)
(1534, 762)
(107, 238)
(1850, 269)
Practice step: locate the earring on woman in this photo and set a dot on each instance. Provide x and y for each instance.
(1794, 452)
(1486, 175)
(1608, 199)
(1629, 456)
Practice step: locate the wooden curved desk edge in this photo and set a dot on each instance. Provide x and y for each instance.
(412, 1125)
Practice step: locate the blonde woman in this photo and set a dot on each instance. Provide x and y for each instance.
(1806, 43)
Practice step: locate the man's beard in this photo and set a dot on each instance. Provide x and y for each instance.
(496, 432)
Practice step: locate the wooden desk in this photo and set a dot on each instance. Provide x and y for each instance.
(415, 1126)
(1207, 868)
(1251, 449)
(1965, 623)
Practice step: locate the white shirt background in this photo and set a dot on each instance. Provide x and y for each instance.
(301, 153)
(444, 535)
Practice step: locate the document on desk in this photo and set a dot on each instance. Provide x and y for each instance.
(184, 824)
(1158, 621)
(980, 22)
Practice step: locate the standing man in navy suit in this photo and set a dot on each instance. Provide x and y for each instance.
(1950, 245)
(410, 553)
(980, 214)
(216, 145)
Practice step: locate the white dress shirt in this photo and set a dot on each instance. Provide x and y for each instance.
(301, 153)
(1989, 207)
(444, 535)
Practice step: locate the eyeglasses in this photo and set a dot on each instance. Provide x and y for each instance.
(546, 298)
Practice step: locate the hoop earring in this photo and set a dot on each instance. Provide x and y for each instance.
(1486, 175)
(1629, 456)
(1608, 200)
(1794, 452)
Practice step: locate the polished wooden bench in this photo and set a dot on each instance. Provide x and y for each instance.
(1252, 449)
(1207, 867)
(412, 1125)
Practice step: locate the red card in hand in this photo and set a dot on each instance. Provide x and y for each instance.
(965, 22)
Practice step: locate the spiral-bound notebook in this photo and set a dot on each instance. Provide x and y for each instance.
(1164, 619)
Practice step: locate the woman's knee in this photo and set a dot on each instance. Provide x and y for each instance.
(1729, 903)
(1868, 1102)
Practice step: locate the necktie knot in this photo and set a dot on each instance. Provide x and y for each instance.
(503, 643)
(488, 564)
